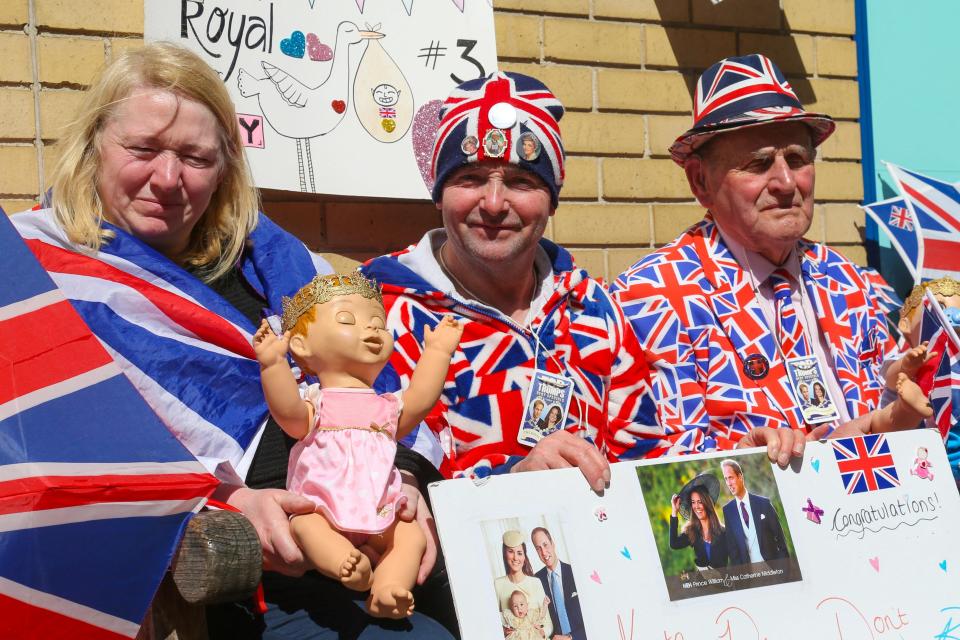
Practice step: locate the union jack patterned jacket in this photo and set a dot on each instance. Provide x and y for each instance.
(582, 334)
(695, 312)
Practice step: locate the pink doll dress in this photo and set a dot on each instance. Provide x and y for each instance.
(345, 463)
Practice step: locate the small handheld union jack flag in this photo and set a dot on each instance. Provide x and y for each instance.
(900, 218)
(865, 463)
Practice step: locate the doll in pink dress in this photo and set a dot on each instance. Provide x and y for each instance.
(335, 328)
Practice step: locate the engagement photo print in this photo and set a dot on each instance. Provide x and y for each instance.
(545, 410)
(536, 593)
(718, 525)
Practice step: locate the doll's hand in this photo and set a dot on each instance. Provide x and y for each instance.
(445, 336)
(270, 348)
(916, 358)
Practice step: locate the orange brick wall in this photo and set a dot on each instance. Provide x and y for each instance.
(623, 68)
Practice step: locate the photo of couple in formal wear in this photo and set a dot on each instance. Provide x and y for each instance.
(535, 587)
(708, 544)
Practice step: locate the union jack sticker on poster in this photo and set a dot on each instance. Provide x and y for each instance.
(865, 463)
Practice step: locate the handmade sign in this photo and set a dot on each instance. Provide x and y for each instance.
(858, 542)
(339, 96)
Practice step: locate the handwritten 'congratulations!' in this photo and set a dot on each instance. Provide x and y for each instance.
(889, 514)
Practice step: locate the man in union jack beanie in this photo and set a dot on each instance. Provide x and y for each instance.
(740, 312)
(535, 326)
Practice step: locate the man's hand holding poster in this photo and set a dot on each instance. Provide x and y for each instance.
(856, 541)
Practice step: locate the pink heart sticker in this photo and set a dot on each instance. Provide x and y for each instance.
(317, 50)
(875, 563)
(595, 577)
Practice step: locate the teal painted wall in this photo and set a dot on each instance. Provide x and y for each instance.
(914, 53)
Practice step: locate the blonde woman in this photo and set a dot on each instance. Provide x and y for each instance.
(154, 233)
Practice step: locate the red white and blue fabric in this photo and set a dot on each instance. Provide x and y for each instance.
(583, 335)
(466, 112)
(789, 330)
(94, 491)
(934, 206)
(744, 91)
(865, 463)
(695, 312)
(185, 349)
(940, 378)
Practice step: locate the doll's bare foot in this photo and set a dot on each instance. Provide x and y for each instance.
(356, 572)
(910, 393)
(390, 602)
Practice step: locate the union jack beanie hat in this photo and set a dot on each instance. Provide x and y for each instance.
(505, 117)
(744, 91)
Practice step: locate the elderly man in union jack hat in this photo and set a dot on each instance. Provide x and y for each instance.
(535, 326)
(740, 313)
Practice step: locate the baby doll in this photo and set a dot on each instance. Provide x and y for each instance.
(911, 405)
(334, 328)
(527, 623)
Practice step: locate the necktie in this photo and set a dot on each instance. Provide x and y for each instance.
(789, 330)
(558, 603)
(746, 516)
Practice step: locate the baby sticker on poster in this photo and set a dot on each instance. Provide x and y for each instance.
(545, 410)
(811, 391)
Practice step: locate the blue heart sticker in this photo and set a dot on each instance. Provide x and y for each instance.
(626, 553)
(295, 45)
(943, 565)
(815, 463)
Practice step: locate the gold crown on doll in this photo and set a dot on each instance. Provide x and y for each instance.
(324, 288)
(945, 286)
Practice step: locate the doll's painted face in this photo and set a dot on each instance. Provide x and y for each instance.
(348, 335)
(518, 604)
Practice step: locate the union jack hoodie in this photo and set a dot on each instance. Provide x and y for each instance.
(575, 330)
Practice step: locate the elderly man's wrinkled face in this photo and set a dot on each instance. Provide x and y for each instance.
(159, 166)
(758, 183)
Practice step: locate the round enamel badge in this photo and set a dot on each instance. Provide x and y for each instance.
(756, 366)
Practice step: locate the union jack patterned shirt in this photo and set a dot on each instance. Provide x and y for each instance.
(696, 315)
(582, 334)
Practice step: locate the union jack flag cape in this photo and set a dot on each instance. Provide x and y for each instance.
(186, 350)
(699, 321)
(94, 490)
(578, 331)
(934, 218)
(940, 378)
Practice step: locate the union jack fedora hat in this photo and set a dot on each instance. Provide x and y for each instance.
(744, 91)
(505, 117)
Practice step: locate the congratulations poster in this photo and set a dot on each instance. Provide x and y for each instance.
(858, 541)
(336, 96)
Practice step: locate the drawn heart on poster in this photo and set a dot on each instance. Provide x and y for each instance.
(318, 51)
(943, 565)
(425, 124)
(294, 45)
(625, 553)
(595, 577)
(875, 563)
(815, 463)
(339, 106)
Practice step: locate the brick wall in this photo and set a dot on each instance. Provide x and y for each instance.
(623, 68)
